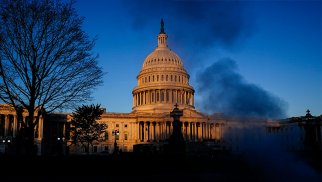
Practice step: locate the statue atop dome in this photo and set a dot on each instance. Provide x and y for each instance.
(162, 27)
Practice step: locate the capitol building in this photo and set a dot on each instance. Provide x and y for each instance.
(162, 83)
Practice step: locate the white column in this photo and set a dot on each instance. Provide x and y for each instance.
(144, 97)
(140, 131)
(40, 128)
(193, 100)
(188, 131)
(153, 131)
(15, 125)
(136, 131)
(6, 124)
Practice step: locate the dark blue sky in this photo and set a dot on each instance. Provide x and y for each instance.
(275, 45)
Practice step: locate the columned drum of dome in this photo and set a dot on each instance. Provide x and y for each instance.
(162, 81)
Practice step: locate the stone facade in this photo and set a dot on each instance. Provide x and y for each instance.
(9, 128)
(162, 83)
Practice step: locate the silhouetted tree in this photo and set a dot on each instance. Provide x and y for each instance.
(84, 126)
(46, 59)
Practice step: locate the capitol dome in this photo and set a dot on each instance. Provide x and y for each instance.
(162, 81)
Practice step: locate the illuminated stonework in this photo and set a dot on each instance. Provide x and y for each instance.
(9, 127)
(162, 82)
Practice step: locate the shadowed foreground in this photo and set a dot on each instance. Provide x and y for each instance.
(130, 167)
(125, 168)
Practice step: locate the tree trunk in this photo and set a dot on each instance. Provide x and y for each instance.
(30, 135)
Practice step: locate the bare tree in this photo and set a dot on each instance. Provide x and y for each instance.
(85, 129)
(46, 59)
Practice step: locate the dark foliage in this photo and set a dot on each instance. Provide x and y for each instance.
(85, 128)
(46, 59)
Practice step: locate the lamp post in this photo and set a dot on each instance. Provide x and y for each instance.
(115, 133)
(6, 142)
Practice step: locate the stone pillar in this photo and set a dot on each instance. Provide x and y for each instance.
(191, 131)
(141, 98)
(40, 128)
(162, 131)
(193, 100)
(154, 137)
(148, 97)
(148, 132)
(15, 125)
(133, 101)
(188, 131)
(140, 131)
(136, 99)
(136, 131)
(197, 131)
(144, 97)
(203, 130)
(6, 124)
(200, 131)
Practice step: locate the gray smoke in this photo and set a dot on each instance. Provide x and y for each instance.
(269, 154)
(224, 90)
(196, 25)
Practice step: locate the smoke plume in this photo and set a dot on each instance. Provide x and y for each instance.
(196, 26)
(224, 90)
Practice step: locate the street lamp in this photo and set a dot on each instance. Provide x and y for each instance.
(115, 133)
(6, 142)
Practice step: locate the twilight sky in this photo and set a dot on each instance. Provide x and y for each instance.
(272, 49)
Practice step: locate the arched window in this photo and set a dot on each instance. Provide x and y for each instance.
(157, 78)
(161, 77)
(166, 78)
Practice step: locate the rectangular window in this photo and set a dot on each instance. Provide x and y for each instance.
(125, 136)
(117, 125)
